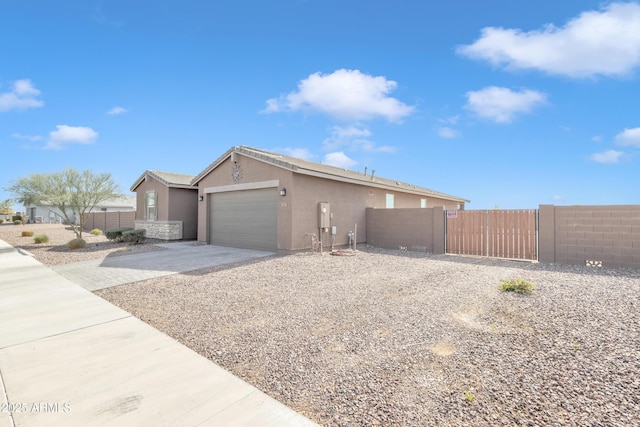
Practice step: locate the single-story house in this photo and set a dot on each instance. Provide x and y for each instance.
(45, 213)
(252, 198)
(168, 205)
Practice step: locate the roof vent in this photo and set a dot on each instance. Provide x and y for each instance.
(373, 172)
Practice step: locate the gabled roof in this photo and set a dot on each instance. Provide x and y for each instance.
(173, 180)
(324, 171)
(120, 201)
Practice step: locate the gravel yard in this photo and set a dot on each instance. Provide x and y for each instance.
(55, 252)
(395, 338)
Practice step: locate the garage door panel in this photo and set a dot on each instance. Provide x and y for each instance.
(246, 219)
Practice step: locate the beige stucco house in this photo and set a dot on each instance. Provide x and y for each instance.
(257, 199)
(167, 205)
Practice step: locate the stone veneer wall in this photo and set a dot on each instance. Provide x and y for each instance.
(163, 230)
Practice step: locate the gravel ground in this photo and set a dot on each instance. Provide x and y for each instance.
(395, 338)
(55, 252)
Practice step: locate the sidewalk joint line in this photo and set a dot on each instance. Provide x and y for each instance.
(69, 331)
(6, 398)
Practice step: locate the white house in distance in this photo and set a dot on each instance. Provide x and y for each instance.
(48, 214)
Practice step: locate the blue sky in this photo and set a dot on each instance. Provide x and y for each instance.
(505, 103)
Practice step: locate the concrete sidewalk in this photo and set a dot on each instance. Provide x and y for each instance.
(177, 257)
(67, 357)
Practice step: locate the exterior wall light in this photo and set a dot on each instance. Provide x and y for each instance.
(200, 198)
(283, 191)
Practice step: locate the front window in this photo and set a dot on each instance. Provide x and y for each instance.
(150, 204)
(423, 203)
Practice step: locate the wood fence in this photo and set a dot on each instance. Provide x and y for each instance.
(495, 233)
(107, 220)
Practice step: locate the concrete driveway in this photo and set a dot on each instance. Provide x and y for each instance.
(177, 257)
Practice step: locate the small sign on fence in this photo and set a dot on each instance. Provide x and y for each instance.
(452, 214)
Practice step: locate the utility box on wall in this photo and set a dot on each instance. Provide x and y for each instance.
(324, 215)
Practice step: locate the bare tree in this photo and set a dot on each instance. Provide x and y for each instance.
(70, 191)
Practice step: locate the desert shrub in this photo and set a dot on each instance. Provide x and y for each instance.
(27, 233)
(41, 238)
(115, 234)
(519, 286)
(96, 232)
(76, 244)
(1, 220)
(17, 221)
(134, 236)
(15, 218)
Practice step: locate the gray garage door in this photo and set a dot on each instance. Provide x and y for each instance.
(245, 219)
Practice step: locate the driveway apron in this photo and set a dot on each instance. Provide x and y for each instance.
(177, 257)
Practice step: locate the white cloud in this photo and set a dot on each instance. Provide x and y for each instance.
(339, 159)
(450, 120)
(501, 104)
(70, 135)
(605, 42)
(354, 137)
(344, 94)
(609, 156)
(21, 97)
(447, 132)
(557, 198)
(344, 136)
(299, 153)
(629, 137)
(32, 138)
(597, 138)
(117, 110)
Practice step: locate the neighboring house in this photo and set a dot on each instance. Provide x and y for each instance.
(45, 213)
(167, 205)
(252, 198)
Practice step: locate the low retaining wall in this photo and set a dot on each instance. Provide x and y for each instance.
(163, 230)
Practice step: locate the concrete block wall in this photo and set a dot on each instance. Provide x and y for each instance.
(163, 230)
(416, 229)
(575, 234)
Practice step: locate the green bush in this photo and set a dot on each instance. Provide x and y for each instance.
(17, 221)
(15, 218)
(96, 232)
(115, 234)
(519, 286)
(27, 233)
(134, 236)
(76, 244)
(41, 238)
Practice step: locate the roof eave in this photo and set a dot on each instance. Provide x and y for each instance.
(379, 185)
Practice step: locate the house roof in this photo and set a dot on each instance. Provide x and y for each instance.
(120, 201)
(324, 171)
(170, 179)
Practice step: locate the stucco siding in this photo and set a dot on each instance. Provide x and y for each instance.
(162, 208)
(183, 206)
